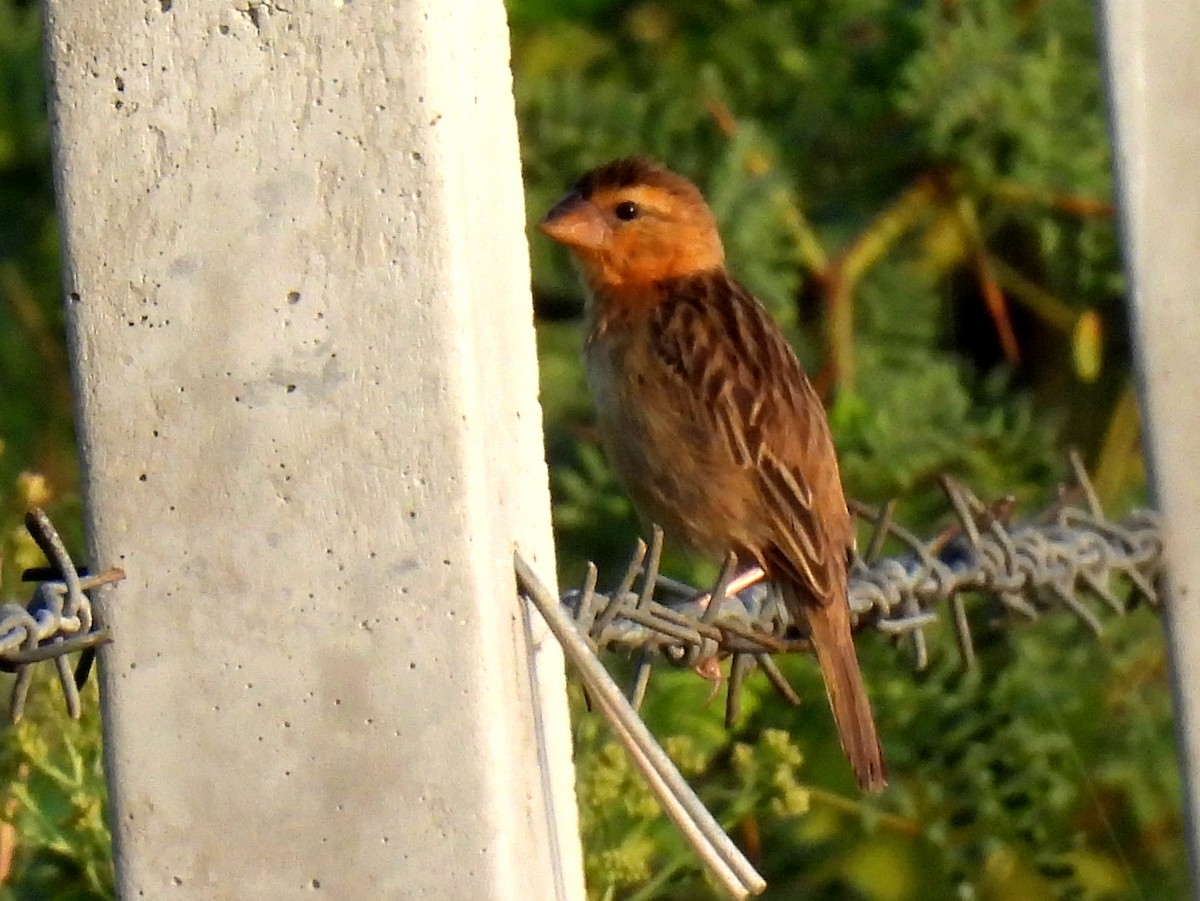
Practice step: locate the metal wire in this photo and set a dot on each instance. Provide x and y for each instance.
(727, 863)
(57, 621)
(1069, 557)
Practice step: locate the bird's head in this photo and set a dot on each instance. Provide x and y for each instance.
(632, 223)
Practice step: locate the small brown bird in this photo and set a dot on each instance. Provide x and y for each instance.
(707, 415)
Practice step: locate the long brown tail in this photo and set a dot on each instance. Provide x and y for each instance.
(829, 627)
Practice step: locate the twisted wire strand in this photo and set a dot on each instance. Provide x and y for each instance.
(57, 621)
(1070, 557)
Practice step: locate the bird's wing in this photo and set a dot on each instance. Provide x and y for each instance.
(726, 352)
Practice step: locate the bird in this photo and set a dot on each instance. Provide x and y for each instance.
(707, 416)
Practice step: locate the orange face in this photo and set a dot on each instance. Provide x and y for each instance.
(635, 235)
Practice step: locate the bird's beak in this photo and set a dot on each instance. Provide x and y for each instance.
(575, 222)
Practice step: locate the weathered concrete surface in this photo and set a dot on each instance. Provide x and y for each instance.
(298, 304)
(1154, 75)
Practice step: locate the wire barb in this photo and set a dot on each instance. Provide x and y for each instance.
(698, 826)
(1066, 557)
(57, 621)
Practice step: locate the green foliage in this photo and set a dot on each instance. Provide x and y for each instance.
(54, 838)
(35, 410)
(920, 417)
(881, 171)
(803, 122)
(54, 841)
(24, 136)
(636, 849)
(901, 184)
(1001, 92)
(55, 802)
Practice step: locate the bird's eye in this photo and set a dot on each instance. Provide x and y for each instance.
(626, 211)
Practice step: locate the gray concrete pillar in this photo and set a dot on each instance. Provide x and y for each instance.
(299, 314)
(1154, 79)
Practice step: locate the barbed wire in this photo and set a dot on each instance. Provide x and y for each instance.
(56, 622)
(1069, 557)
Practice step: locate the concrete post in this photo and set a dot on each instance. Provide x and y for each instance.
(1154, 73)
(298, 309)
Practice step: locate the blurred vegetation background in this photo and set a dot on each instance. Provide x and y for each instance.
(921, 193)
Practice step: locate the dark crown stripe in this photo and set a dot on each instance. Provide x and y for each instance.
(627, 172)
